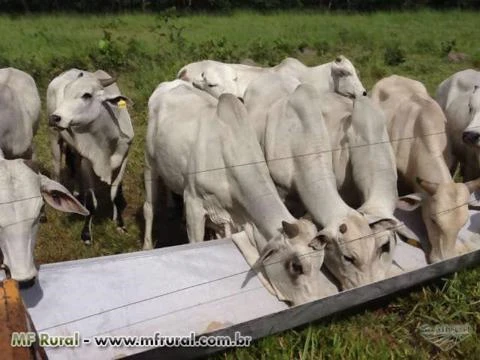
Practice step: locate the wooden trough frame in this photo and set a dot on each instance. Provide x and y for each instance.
(187, 288)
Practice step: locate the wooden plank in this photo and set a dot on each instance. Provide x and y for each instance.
(307, 313)
(12, 319)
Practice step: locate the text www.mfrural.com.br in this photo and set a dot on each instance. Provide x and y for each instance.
(26, 339)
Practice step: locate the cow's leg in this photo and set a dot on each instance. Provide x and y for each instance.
(196, 217)
(228, 230)
(56, 144)
(73, 163)
(90, 201)
(120, 204)
(174, 205)
(150, 179)
(116, 196)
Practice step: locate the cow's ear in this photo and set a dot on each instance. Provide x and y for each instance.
(319, 242)
(410, 202)
(58, 197)
(120, 101)
(271, 248)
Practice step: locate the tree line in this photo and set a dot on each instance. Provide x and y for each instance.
(88, 6)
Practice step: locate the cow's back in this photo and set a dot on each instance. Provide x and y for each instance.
(456, 87)
(25, 88)
(290, 67)
(262, 93)
(336, 111)
(417, 130)
(19, 112)
(175, 112)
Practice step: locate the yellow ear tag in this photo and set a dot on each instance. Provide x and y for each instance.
(414, 242)
(122, 104)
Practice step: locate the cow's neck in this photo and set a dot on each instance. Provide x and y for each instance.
(263, 204)
(316, 186)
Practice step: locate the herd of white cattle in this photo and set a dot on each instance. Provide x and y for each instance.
(297, 159)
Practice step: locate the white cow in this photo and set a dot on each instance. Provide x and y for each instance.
(339, 76)
(21, 191)
(417, 129)
(88, 112)
(364, 165)
(459, 98)
(19, 113)
(217, 78)
(290, 125)
(208, 153)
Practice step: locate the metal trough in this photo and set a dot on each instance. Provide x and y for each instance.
(196, 288)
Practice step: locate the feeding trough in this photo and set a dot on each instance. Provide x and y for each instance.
(200, 289)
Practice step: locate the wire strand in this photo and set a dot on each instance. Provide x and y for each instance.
(307, 254)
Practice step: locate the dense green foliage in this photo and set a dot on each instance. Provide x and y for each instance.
(143, 50)
(226, 5)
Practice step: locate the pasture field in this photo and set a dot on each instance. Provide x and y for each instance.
(143, 50)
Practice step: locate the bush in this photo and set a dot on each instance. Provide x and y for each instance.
(220, 50)
(447, 46)
(394, 55)
(322, 47)
(426, 46)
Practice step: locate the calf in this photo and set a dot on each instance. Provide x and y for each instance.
(89, 114)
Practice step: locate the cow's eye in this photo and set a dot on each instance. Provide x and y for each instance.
(86, 96)
(470, 109)
(349, 259)
(385, 248)
(212, 85)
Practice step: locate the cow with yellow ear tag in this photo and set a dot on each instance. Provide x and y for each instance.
(88, 115)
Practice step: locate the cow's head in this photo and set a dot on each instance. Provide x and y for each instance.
(356, 252)
(21, 192)
(444, 212)
(471, 134)
(345, 78)
(83, 101)
(292, 265)
(217, 81)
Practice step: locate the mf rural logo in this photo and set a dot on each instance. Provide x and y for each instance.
(445, 336)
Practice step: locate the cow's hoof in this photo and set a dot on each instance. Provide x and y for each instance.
(86, 237)
(147, 247)
(122, 229)
(43, 218)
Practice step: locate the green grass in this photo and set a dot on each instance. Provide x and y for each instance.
(144, 50)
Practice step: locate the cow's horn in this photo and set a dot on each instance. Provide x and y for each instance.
(107, 82)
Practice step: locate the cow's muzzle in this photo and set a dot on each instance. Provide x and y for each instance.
(54, 122)
(25, 284)
(470, 137)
